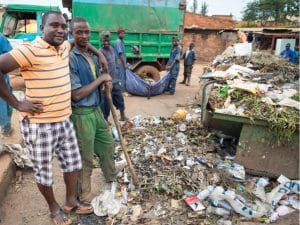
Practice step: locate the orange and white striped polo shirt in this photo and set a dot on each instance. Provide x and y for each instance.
(47, 78)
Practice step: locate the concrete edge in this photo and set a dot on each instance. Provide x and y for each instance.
(7, 174)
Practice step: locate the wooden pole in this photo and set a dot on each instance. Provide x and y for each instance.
(131, 169)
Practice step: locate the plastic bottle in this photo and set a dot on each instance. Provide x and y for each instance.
(293, 200)
(115, 133)
(221, 204)
(206, 192)
(224, 222)
(217, 211)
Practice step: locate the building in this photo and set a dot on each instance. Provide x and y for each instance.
(211, 34)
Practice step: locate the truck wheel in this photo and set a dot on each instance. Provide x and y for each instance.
(148, 72)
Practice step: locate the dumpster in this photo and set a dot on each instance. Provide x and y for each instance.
(259, 150)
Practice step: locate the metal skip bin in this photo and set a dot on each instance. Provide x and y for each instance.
(258, 150)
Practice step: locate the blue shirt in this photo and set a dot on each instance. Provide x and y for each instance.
(81, 75)
(175, 56)
(110, 56)
(189, 57)
(4, 45)
(296, 55)
(288, 55)
(120, 48)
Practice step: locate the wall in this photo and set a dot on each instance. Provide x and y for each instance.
(208, 44)
(192, 20)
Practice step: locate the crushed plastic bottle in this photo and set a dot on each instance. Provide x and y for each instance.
(137, 120)
(217, 211)
(115, 133)
(206, 192)
(221, 204)
(224, 222)
(259, 189)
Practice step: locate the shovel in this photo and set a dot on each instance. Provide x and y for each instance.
(131, 169)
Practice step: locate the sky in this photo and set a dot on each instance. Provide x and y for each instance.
(223, 7)
(215, 7)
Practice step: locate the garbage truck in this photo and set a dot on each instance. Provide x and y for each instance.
(149, 27)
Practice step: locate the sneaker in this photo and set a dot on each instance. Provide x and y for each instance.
(182, 82)
(6, 130)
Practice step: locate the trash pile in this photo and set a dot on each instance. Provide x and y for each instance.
(259, 86)
(183, 179)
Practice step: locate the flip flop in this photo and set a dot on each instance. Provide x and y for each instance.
(60, 213)
(80, 209)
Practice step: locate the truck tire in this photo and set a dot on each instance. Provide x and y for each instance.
(148, 71)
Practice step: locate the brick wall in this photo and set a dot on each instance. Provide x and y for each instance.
(192, 20)
(208, 44)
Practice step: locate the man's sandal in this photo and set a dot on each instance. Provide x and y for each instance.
(80, 209)
(59, 213)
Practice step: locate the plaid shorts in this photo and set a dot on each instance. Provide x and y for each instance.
(46, 140)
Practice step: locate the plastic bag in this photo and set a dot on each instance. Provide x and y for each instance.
(179, 114)
(237, 171)
(106, 203)
(243, 49)
(277, 193)
(235, 70)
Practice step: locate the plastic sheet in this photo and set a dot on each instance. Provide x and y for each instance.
(137, 86)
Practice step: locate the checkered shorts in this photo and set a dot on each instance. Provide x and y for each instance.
(46, 140)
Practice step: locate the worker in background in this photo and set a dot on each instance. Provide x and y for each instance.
(116, 93)
(296, 55)
(288, 54)
(189, 57)
(121, 57)
(92, 131)
(250, 37)
(173, 65)
(5, 109)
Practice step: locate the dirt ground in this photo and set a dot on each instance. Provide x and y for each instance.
(24, 205)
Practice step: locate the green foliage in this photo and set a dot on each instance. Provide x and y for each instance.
(194, 6)
(283, 121)
(264, 10)
(204, 8)
(296, 96)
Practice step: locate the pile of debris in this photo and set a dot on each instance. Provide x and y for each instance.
(259, 86)
(182, 179)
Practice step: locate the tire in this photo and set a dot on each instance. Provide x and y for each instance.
(148, 72)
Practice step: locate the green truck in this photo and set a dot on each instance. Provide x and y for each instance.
(21, 21)
(149, 25)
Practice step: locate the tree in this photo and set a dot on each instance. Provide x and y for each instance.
(194, 6)
(264, 10)
(204, 8)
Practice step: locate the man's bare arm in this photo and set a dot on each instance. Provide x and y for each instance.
(101, 58)
(122, 57)
(8, 64)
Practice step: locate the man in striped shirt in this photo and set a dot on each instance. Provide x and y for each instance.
(45, 125)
